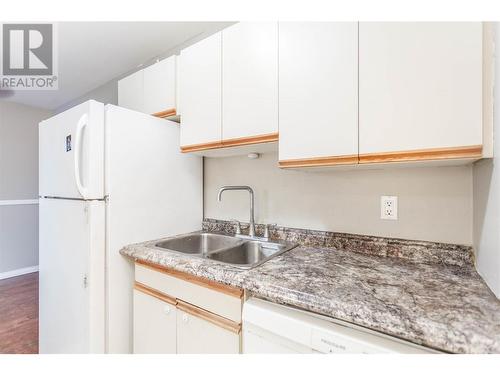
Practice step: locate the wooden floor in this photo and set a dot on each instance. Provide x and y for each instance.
(19, 314)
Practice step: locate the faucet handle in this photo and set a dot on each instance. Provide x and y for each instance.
(238, 226)
(266, 230)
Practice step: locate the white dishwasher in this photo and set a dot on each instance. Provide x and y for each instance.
(273, 328)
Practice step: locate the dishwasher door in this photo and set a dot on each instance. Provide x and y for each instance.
(273, 328)
(260, 341)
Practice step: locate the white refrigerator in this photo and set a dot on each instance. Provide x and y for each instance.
(108, 177)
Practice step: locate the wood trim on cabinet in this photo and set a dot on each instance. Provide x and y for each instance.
(166, 113)
(209, 316)
(201, 146)
(234, 142)
(264, 138)
(319, 162)
(465, 152)
(221, 288)
(154, 293)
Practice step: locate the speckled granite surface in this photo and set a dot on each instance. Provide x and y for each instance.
(413, 251)
(433, 303)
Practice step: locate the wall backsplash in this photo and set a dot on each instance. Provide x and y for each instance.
(435, 203)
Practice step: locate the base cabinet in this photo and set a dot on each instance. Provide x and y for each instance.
(155, 325)
(178, 313)
(198, 336)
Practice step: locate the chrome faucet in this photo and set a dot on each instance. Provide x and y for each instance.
(251, 230)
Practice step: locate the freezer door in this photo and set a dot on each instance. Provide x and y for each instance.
(71, 291)
(71, 153)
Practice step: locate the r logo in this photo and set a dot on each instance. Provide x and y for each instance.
(27, 49)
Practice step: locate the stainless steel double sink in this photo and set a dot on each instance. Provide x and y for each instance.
(238, 251)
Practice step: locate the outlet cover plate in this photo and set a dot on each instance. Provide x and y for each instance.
(389, 207)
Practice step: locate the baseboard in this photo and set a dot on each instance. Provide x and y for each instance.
(18, 272)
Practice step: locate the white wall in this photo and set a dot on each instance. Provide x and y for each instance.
(487, 200)
(435, 204)
(18, 182)
(487, 219)
(107, 94)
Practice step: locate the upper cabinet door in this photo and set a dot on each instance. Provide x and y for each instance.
(160, 86)
(420, 90)
(131, 91)
(250, 80)
(318, 91)
(200, 79)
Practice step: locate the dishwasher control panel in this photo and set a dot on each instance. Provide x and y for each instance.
(324, 342)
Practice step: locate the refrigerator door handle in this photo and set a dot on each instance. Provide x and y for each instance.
(82, 123)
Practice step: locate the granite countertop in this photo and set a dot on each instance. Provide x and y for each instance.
(441, 306)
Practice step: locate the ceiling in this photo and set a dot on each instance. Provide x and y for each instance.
(93, 53)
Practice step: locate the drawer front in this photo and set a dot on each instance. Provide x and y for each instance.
(227, 305)
(214, 340)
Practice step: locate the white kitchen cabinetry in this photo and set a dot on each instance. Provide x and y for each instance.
(318, 93)
(131, 91)
(196, 335)
(179, 313)
(420, 91)
(200, 79)
(155, 324)
(160, 86)
(151, 90)
(347, 93)
(250, 81)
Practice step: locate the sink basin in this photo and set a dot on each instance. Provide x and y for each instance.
(200, 243)
(250, 253)
(239, 252)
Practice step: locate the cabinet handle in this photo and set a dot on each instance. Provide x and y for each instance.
(185, 318)
(166, 309)
(196, 312)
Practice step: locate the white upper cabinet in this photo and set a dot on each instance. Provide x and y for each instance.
(249, 80)
(341, 92)
(318, 92)
(131, 91)
(160, 86)
(200, 79)
(152, 90)
(420, 90)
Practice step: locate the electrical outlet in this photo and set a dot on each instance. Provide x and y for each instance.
(389, 207)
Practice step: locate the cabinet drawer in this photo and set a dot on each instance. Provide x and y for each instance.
(220, 300)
